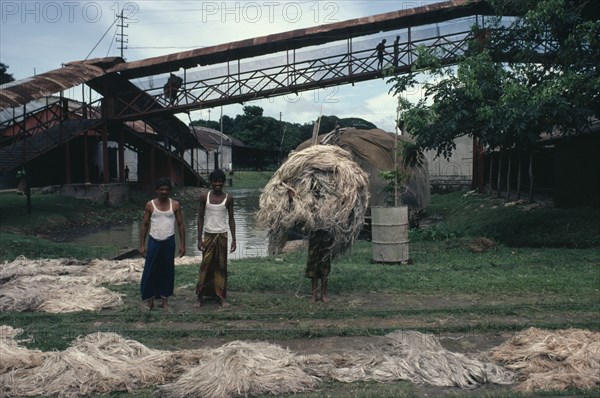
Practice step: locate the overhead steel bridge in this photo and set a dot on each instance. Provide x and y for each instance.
(281, 64)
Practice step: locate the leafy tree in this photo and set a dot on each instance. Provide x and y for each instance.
(253, 110)
(563, 36)
(215, 124)
(5, 77)
(263, 132)
(510, 105)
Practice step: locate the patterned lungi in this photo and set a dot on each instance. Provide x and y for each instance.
(212, 279)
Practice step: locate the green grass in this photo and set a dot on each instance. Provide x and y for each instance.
(53, 218)
(250, 179)
(535, 286)
(517, 226)
(52, 213)
(13, 245)
(552, 281)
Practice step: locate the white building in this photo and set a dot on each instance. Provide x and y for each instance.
(218, 153)
(454, 173)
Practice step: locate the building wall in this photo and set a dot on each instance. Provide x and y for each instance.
(577, 171)
(130, 160)
(164, 166)
(204, 162)
(454, 173)
(108, 194)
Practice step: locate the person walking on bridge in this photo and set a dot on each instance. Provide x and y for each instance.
(396, 51)
(380, 52)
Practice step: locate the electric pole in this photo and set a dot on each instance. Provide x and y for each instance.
(121, 36)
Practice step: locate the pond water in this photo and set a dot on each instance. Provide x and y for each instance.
(251, 240)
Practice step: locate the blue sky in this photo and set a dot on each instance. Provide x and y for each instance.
(38, 36)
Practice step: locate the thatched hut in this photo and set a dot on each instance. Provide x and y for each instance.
(373, 150)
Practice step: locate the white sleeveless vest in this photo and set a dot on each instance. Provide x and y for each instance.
(215, 216)
(162, 223)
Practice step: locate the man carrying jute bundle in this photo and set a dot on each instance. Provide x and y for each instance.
(321, 191)
(318, 263)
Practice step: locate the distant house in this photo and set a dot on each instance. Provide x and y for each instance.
(576, 168)
(218, 153)
(454, 173)
(227, 153)
(565, 169)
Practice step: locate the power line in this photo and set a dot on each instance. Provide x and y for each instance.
(107, 30)
(111, 42)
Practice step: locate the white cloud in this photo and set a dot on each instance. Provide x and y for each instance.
(42, 35)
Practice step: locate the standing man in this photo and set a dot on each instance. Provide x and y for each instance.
(160, 216)
(396, 51)
(318, 263)
(380, 51)
(214, 217)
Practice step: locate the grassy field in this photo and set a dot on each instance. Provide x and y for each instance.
(537, 266)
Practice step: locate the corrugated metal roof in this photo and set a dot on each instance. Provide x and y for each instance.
(140, 126)
(211, 138)
(41, 103)
(12, 113)
(19, 92)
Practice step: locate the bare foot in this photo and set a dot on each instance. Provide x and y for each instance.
(165, 304)
(198, 303)
(151, 303)
(224, 303)
(325, 299)
(313, 299)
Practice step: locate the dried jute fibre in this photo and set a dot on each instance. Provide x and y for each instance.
(553, 360)
(330, 193)
(411, 356)
(66, 285)
(96, 363)
(105, 362)
(243, 369)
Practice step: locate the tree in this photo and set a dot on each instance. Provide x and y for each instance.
(510, 105)
(5, 77)
(253, 111)
(558, 52)
(264, 132)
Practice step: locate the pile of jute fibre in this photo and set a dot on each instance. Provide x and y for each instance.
(553, 360)
(241, 369)
(66, 285)
(412, 356)
(96, 363)
(105, 362)
(330, 193)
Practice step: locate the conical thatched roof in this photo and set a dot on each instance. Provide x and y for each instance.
(373, 150)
